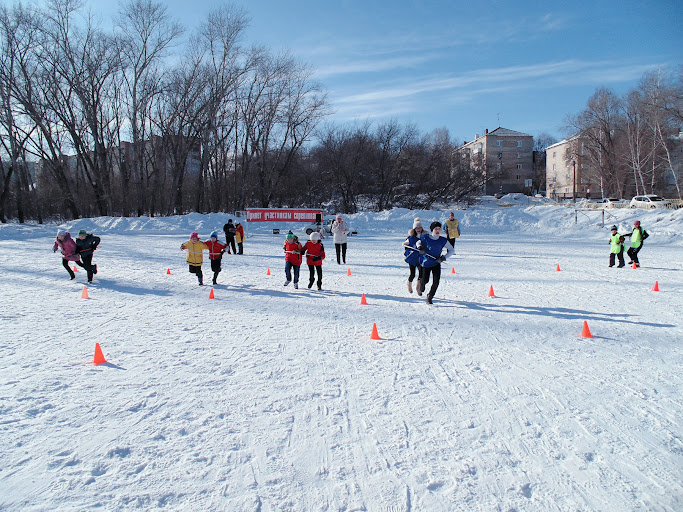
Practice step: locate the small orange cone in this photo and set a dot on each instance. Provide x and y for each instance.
(211, 295)
(491, 294)
(99, 356)
(348, 272)
(374, 335)
(452, 270)
(558, 267)
(656, 288)
(635, 265)
(168, 272)
(85, 295)
(75, 268)
(586, 333)
(268, 273)
(363, 301)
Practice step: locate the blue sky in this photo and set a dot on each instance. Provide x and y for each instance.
(465, 66)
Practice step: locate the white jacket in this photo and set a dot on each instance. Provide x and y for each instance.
(340, 230)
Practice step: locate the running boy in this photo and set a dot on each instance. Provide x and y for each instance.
(216, 250)
(431, 246)
(292, 249)
(314, 258)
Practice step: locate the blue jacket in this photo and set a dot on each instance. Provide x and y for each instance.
(433, 248)
(412, 255)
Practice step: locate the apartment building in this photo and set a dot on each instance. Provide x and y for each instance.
(505, 158)
(568, 173)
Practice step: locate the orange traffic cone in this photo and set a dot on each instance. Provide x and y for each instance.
(168, 272)
(558, 267)
(374, 335)
(75, 268)
(268, 273)
(656, 288)
(211, 295)
(363, 301)
(452, 270)
(586, 333)
(348, 272)
(99, 356)
(85, 295)
(491, 294)
(635, 265)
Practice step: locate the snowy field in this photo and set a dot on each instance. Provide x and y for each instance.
(274, 399)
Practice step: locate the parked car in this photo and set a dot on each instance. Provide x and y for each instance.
(325, 228)
(612, 202)
(650, 201)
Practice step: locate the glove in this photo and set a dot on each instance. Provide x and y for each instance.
(441, 259)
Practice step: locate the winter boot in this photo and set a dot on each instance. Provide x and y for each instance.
(296, 286)
(310, 284)
(94, 269)
(286, 282)
(410, 287)
(320, 286)
(418, 287)
(429, 299)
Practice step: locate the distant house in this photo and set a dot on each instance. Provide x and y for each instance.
(505, 159)
(568, 172)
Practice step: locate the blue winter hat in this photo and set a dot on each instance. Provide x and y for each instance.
(214, 235)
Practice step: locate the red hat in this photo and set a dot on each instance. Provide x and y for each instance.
(636, 223)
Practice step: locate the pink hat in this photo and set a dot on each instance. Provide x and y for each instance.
(194, 235)
(636, 223)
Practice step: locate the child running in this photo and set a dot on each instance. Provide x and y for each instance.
(616, 242)
(431, 246)
(314, 258)
(292, 249)
(412, 258)
(68, 248)
(216, 250)
(195, 255)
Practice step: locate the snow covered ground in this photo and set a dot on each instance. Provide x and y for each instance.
(269, 398)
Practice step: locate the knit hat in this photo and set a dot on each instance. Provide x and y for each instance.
(214, 235)
(314, 236)
(290, 236)
(613, 228)
(637, 223)
(194, 235)
(61, 232)
(82, 232)
(417, 223)
(435, 224)
(339, 216)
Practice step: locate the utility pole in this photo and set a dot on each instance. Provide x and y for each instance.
(574, 182)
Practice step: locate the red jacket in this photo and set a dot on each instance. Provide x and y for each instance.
(215, 249)
(314, 250)
(294, 259)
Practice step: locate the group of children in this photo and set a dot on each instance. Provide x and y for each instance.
(80, 251)
(616, 241)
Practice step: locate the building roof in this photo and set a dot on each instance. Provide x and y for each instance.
(504, 132)
(573, 137)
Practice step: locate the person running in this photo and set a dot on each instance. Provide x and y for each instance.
(315, 254)
(230, 232)
(293, 258)
(616, 242)
(412, 257)
(431, 247)
(637, 236)
(86, 243)
(216, 250)
(239, 238)
(340, 230)
(452, 229)
(68, 248)
(195, 255)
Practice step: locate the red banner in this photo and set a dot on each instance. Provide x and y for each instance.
(282, 215)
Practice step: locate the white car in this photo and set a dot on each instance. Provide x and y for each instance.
(612, 202)
(650, 201)
(325, 227)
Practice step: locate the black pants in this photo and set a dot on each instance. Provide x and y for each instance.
(230, 242)
(340, 248)
(288, 271)
(86, 263)
(215, 268)
(240, 248)
(452, 242)
(633, 253)
(436, 277)
(619, 255)
(312, 269)
(197, 269)
(65, 263)
(414, 268)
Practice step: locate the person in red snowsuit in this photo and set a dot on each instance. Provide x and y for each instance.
(315, 254)
(293, 258)
(216, 250)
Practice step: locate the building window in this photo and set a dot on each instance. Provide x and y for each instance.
(518, 176)
(498, 165)
(519, 143)
(519, 155)
(500, 155)
(519, 166)
(500, 143)
(554, 154)
(554, 179)
(554, 167)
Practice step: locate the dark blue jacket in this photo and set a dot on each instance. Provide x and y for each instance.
(433, 248)
(412, 255)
